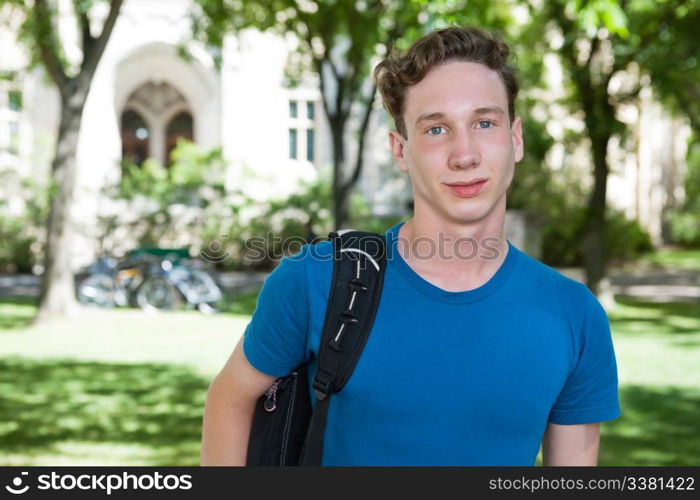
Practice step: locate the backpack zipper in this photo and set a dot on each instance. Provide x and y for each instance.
(270, 403)
(288, 422)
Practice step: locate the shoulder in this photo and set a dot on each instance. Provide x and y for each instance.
(295, 269)
(573, 297)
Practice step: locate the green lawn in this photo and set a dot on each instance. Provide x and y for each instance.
(675, 258)
(125, 388)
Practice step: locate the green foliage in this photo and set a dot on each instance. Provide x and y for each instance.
(624, 240)
(533, 187)
(155, 206)
(685, 227)
(262, 232)
(663, 42)
(23, 211)
(684, 221)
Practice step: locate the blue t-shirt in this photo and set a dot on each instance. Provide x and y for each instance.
(446, 378)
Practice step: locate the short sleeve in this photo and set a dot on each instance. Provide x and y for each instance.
(590, 393)
(274, 341)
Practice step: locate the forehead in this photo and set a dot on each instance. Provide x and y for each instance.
(455, 88)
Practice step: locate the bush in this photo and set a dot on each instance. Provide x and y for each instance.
(625, 239)
(685, 227)
(23, 212)
(175, 207)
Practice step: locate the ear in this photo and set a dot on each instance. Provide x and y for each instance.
(397, 145)
(517, 132)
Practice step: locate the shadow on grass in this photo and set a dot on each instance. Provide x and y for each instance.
(675, 318)
(44, 403)
(16, 312)
(658, 426)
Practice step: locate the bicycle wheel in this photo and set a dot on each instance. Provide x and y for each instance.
(156, 294)
(97, 290)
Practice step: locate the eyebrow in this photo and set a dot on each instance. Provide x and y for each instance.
(490, 109)
(479, 111)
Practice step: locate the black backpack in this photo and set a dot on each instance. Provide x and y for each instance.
(286, 431)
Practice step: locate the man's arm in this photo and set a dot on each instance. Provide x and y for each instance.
(228, 413)
(571, 444)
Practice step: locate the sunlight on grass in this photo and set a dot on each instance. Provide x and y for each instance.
(203, 342)
(674, 258)
(78, 453)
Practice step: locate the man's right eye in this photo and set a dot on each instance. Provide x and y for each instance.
(436, 130)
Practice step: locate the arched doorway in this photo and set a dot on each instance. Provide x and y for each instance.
(154, 116)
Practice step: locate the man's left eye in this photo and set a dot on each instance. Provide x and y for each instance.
(485, 123)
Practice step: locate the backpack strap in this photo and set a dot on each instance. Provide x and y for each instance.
(359, 262)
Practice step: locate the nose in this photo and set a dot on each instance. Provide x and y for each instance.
(465, 153)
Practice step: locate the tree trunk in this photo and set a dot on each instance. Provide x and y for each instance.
(57, 286)
(339, 192)
(594, 235)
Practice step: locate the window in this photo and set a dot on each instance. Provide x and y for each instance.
(293, 143)
(14, 100)
(301, 131)
(310, 145)
(13, 128)
(135, 135)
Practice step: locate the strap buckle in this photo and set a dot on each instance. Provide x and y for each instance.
(348, 317)
(356, 285)
(322, 385)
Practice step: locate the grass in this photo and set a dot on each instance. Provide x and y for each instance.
(119, 387)
(674, 258)
(16, 312)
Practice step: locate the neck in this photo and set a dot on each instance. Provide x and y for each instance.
(454, 254)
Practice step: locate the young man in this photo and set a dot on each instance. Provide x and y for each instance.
(478, 353)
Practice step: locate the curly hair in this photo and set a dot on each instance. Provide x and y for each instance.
(398, 72)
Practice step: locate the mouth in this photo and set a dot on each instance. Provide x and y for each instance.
(467, 189)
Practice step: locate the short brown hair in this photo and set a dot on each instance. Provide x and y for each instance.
(399, 71)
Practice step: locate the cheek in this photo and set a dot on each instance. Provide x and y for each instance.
(498, 146)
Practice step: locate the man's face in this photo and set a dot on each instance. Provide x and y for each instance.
(458, 131)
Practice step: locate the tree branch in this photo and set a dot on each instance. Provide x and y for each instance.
(362, 134)
(84, 26)
(92, 56)
(45, 38)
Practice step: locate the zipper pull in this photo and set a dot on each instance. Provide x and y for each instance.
(270, 403)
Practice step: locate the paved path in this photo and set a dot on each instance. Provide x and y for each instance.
(655, 285)
(29, 285)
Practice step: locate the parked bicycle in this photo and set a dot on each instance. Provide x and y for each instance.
(173, 282)
(153, 279)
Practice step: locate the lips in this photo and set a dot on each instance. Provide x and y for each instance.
(467, 183)
(467, 189)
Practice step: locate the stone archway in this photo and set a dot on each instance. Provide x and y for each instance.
(179, 85)
(166, 115)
